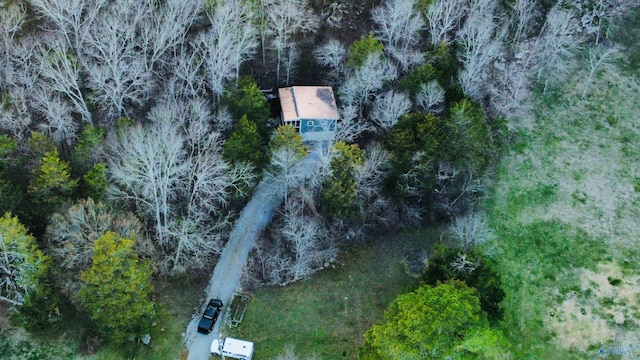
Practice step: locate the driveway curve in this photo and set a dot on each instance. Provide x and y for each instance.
(226, 276)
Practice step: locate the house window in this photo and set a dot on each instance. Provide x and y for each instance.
(297, 124)
(310, 123)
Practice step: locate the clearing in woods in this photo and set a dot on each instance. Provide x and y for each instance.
(565, 206)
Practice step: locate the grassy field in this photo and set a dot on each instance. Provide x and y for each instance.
(328, 314)
(565, 206)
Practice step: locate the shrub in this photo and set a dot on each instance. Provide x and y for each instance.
(471, 267)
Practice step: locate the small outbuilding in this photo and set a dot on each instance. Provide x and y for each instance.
(311, 110)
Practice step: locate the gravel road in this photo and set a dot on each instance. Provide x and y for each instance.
(225, 279)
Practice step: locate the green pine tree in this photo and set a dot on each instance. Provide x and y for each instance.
(361, 49)
(246, 99)
(116, 290)
(287, 136)
(51, 184)
(245, 144)
(340, 189)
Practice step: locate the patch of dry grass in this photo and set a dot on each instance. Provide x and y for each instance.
(607, 300)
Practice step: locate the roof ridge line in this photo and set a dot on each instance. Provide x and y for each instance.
(295, 101)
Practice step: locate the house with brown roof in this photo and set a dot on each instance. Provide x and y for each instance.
(311, 110)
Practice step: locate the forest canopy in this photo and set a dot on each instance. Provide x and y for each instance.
(141, 128)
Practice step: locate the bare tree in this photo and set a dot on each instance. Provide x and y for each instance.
(509, 87)
(223, 120)
(165, 29)
(116, 71)
(371, 175)
(210, 179)
(15, 117)
(399, 26)
(290, 66)
(59, 124)
(464, 264)
(521, 20)
(207, 185)
(388, 108)
(367, 79)
(431, 97)
(20, 78)
(332, 54)
(351, 124)
(443, 18)
(72, 18)
(479, 48)
(287, 18)
(231, 40)
(470, 230)
(187, 79)
(309, 240)
(374, 206)
(61, 71)
(598, 18)
(455, 190)
(123, 83)
(412, 182)
(146, 165)
(22, 70)
(233, 36)
(172, 170)
(11, 20)
(297, 246)
(556, 45)
(598, 56)
(285, 170)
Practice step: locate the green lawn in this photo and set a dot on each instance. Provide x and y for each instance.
(565, 206)
(328, 314)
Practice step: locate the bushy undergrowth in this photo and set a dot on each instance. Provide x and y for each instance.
(14, 347)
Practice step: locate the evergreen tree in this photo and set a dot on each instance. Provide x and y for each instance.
(95, 182)
(10, 194)
(417, 143)
(51, 184)
(413, 82)
(245, 144)
(340, 188)
(246, 99)
(361, 49)
(469, 136)
(116, 290)
(84, 153)
(287, 136)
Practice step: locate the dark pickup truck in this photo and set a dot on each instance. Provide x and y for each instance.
(214, 307)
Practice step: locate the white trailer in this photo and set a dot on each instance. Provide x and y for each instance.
(233, 348)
